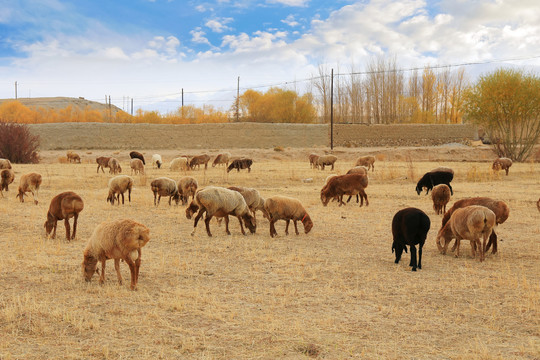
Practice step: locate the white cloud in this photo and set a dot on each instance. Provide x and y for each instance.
(298, 3)
(218, 25)
(198, 36)
(289, 20)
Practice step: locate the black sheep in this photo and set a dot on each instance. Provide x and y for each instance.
(410, 227)
(137, 155)
(432, 178)
(240, 164)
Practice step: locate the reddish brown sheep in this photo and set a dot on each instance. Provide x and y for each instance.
(350, 184)
(502, 164)
(440, 196)
(6, 177)
(313, 159)
(367, 161)
(64, 206)
(198, 161)
(102, 162)
(29, 183)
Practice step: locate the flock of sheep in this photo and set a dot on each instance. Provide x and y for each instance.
(470, 219)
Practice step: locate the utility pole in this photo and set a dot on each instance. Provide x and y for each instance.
(131, 106)
(332, 110)
(182, 103)
(15, 90)
(238, 100)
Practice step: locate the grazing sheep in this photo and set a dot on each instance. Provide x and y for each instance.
(165, 186)
(538, 204)
(6, 177)
(500, 208)
(137, 166)
(326, 160)
(286, 208)
(64, 206)
(157, 161)
(73, 157)
(313, 161)
(114, 166)
(179, 163)
(350, 184)
(362, 170)
(103, 162)
(29, 182)
(118, 240)
(118, 186)
(253, 199)
(5, 164)
(220, 202)
(440, 196)
(502, 164)
(468, 223)
(240, 164)
(137, 155)
(367, 161)
(187, 186)
(198, 161)
(410, 227)
(222, 158)
(432, 178)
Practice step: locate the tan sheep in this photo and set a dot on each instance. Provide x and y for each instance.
(73, 157)
(165, 186)
(64, 206)
(362, 170)
(5, 164)
(187, 186)
(6, 177)
(29, 183)
(119, 240)
(313, 158)
(326, 160)
(118, 185)
(502, 164)
(468, 223)
(137, 166)
(179, 163)
(222, 159)
(440, 196)
(114, 166)
(103, 162)
(253, 199)
(367, 161)
(286, 208)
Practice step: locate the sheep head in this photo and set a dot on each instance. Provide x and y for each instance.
(49, 223)
(191, 209)
(308, 224)
(249, 222)
(89, 266)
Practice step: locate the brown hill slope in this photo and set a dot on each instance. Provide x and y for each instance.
(63, 102)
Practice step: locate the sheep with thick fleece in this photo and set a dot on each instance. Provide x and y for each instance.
(222, 158)
(440, 196)
(187, 186)
(6, 177)
(326, 160)
(165, 186)
(5, 164)
(220, 202)
(468, 223)
(119, 240)
(280, 207)
(367, 161)
(179, 163)
(502, 164)
(114, 166)
(253, 198)
(118, 185)
(157, 161)
(137, 166)
(29, 183)
(313, 160)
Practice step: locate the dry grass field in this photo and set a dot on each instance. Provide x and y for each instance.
(334, 293)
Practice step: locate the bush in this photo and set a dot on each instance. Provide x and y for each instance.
(17, 144)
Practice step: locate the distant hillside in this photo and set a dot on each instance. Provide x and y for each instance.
(57, 103)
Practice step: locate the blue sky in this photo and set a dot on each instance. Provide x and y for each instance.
(150, 50)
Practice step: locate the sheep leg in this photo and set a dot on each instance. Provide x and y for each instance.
(75, 217)
(227, 225)
(137, 265)
(68, 230)
(458, 242)
(413, 261)
(287, 227)
(54, 230)
(420, 255)
(197, 218)
(492, 241)
(207, 223)
(131, 265)
(117, 268)
(296, 228)
(129, 195)
(155, 195)
(451, 190)
(241, 225)
(122, 198)
(102, 275)
(273, 231)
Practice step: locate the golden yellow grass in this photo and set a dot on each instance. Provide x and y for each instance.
(334, 293)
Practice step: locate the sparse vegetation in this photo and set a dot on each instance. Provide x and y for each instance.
(17, 144)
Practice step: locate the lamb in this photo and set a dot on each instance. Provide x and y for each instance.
(73, 157)
(114, 166)
(6, 177)
(118, 185)
(470, 223)
(432, 178)
(238, 164)
(440, 196)
(222, 158)
(103, 162)
(326, 160)
(179, 163)
(500, 208)
(367, 161)
(137, 166)
(157, 161)
(29, 182)
(220, 202)
(350, 184)
(313, 158)
(64, 206)
(502, 164)
(410, 227)
(198, 161)
(286, 208)
(137, 155)
(253, 199)
(5, 164)
(187, 186)
(165, 186)
(119, 240)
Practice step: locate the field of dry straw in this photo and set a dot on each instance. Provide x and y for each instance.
(334, 293)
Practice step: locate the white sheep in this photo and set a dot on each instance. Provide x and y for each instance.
(118, 185)
(29, 183)
(220, 202)
(286, 208)
(165, 186)
(5, 164)
(114, 166)
(137, 166)
(6, 177)
(180, 163)
(157, 161)
(187, 186)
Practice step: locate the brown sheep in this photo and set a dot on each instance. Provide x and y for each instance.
(502, 164)
(367, 161)
(118, 185)
(350, 184)
(137, 166)
(501, 210)
(6, 177)
(64, 206)
(313, 158)
(242, 163)
(164, 186)
(187, 186)
(137, 155)
(73, 157)
(198, 161)
(29, 183)
(114, 166)
(440, 196)
(103, 162)
(286, 208)
(118, 240)
(5, 164)
(326, 160)
(222, 158)
(538, 204)
(470, 223)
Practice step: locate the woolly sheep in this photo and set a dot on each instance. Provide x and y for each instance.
(367, 161)
(137, 155)
(326, 160)
(349, 184)
(103, 162)
(118, 185)
(280, 207)
(5, 164)
(73, 157)
(313, 161)
(179, 163)
(6, 177)
(440, 196)
(64, 206)
(114, 166)
(253, 199)
(198, 161)
(29, 183)
(157, 161)
(119, 240)
(220, 202)
(187, 186)
(502, 164)
(222, 158)
(137, 166)
(165, 186)
(239, 164)
(410, 227)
